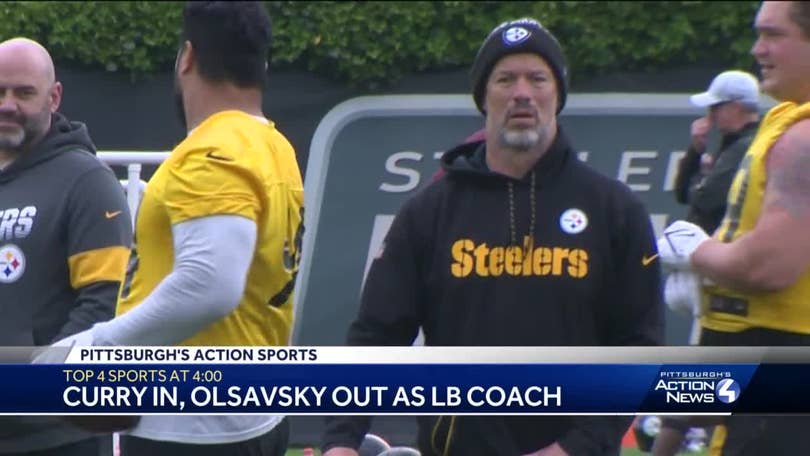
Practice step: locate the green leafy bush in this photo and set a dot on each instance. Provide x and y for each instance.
(373, 44)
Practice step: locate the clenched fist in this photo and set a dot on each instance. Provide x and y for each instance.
(699, 131)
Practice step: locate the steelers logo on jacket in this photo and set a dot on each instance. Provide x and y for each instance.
(12, 263)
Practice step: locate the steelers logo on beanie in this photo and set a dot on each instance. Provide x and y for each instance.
(516, 37)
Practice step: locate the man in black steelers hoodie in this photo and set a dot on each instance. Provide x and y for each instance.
(65, 234)
(518, 244)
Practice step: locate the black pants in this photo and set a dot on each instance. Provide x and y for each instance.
(95, 446)
(272, 443)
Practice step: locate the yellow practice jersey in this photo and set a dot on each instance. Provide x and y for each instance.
(231, 164)
(784, 310)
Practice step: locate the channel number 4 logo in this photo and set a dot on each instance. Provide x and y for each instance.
(727, 390)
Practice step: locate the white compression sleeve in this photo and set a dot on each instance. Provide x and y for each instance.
(211, 260)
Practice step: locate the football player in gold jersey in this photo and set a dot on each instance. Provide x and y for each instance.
(218, 233)
(758, 260)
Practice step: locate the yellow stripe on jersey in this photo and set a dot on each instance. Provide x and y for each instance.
(718, 440)
(784, 310)
(98, 265)
(235, 164)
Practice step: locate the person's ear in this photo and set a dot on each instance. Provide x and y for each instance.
(55, 96)
(185, 59)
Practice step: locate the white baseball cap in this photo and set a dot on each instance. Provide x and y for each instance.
(729, 86)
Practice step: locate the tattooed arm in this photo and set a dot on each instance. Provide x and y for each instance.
(776, 252)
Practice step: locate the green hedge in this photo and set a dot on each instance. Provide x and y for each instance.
(372, 44)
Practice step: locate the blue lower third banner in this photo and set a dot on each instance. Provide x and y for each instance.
(404, 388)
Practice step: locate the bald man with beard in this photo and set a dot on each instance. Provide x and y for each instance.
(65, 233)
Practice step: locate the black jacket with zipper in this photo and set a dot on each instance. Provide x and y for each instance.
(446, 266)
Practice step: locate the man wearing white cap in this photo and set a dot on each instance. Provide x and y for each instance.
(704, 177)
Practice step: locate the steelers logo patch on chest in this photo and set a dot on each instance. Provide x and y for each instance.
(573, 221)
(12, 263)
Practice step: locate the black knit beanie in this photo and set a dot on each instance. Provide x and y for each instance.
(515, 37)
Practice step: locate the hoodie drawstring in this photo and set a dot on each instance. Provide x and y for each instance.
(512, 230)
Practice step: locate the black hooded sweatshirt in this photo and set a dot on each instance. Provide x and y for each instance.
(65, 236)
(464, 261)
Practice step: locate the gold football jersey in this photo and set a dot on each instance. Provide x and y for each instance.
(784, 310)
(233, 163)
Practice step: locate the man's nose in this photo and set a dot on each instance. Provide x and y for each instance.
(758, 48)
(522, 90)
(7, 103)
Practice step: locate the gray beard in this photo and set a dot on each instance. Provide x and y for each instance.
(521, 140)
(11, 142)
(32, 129)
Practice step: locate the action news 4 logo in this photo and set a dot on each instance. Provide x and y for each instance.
(727, 390)
(698, 387)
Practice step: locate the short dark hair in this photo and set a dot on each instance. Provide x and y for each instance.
(231, 40)
(800, 14)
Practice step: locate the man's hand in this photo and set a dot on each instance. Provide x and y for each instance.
(50, 356)
(699, 131)
(97, 424)
(679, 241)
(82, 339)
(341, 451)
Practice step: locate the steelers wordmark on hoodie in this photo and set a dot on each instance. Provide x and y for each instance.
(527, 260)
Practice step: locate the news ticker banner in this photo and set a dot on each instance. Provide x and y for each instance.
(404, 380)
